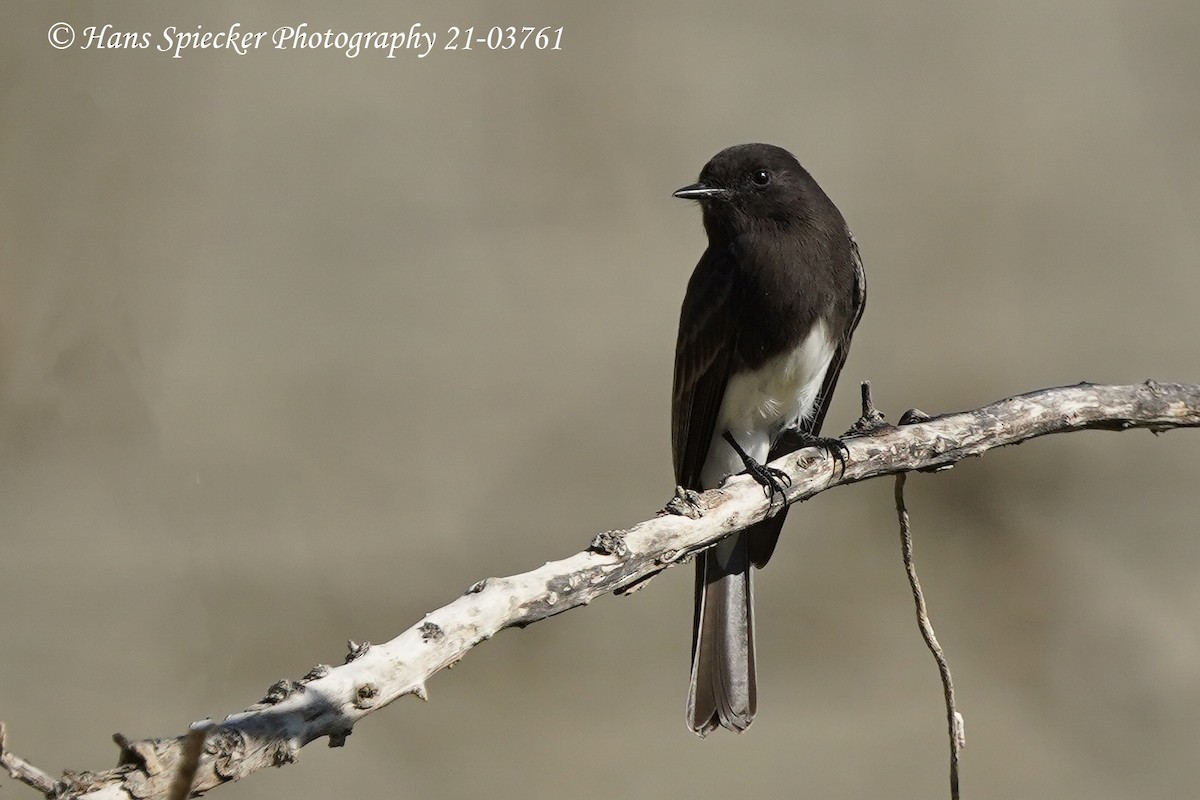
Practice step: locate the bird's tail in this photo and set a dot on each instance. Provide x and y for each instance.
(723, 688)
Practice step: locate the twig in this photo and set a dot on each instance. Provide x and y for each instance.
(328, 701)
(21, 770)
(958, 737)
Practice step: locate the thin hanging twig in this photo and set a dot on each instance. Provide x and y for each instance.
(958, 738)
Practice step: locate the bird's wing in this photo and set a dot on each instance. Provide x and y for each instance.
(812, 425)
(762, 545)
(702, 359)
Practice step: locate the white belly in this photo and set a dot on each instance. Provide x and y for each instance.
(759, 405)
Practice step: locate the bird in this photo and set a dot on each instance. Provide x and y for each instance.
(764, 332)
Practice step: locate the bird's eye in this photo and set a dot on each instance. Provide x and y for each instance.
(761, 177)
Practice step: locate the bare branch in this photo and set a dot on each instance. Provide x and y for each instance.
(329, 700)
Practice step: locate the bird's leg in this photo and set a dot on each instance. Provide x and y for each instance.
(771, 479)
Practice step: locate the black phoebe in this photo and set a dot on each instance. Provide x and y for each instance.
(763, 334)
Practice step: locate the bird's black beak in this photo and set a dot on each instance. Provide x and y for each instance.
(698, 191)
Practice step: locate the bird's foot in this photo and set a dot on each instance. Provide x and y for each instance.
(774, 481)
(835, 447)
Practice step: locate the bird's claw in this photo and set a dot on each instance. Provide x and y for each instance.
(774, 481)
(837, 451)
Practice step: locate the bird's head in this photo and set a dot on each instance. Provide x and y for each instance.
(748, 186)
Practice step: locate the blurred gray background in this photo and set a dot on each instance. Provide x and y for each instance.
(294, 347)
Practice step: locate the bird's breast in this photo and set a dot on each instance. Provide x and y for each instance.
(760, 403)
(782, 390)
